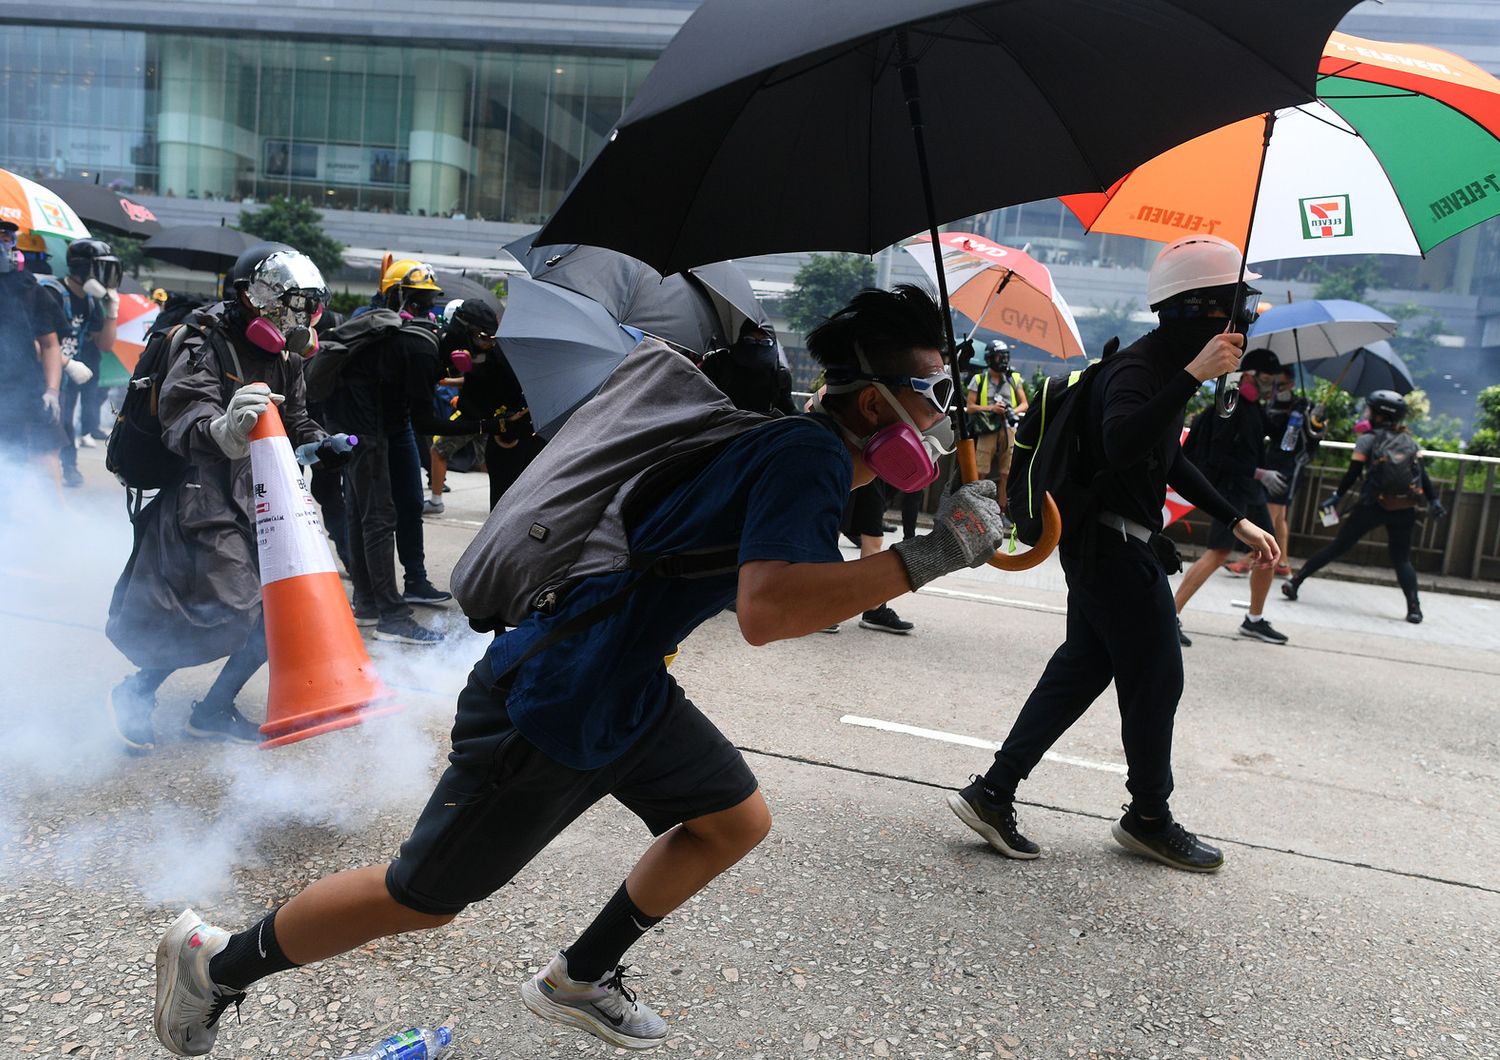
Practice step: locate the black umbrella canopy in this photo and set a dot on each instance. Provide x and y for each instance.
(671, 308)
(783, 125)
(1370, 368)
(204, 248)
(102, 208)
(457, 285)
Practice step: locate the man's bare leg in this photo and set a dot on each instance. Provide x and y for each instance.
(1199, 573)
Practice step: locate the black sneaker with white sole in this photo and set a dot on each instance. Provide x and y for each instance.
(364, 619)
(1166, 841)
(131, 714)
(1260, 629)
(884, 619)
(994, 821)
(216, 723)
(405, 630)
(425, 594)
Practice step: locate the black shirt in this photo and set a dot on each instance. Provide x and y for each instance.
(1237, 445)
(1133, 431)
(26, 314)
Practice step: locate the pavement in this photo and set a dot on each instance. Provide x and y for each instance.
(1350, 776)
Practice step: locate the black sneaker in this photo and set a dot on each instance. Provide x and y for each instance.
(425, 594)
(404, 630)
(1168, 842)
(131, 714)
(212, 723)
(365, 617)
(1260, 629)
(830, 629)
(1183, 638)
(885, 620)
(72, 477)
(1289, 589)
(995, 821)
(1414, 612)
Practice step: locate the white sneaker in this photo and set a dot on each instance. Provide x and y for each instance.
(606, 1009)
(86, 442)
(188, 1003)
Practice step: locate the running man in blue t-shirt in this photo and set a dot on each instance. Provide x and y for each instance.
(597, 713)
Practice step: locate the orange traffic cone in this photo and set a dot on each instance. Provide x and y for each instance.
(321, 676)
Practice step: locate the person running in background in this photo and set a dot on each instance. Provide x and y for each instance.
(1231, 454)
(864, 524)
(1396, 483)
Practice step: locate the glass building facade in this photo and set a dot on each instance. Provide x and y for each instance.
(441, 131)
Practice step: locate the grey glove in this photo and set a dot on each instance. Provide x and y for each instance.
(1273, 481)
(52, 405)
(231, 430)
(966, 532)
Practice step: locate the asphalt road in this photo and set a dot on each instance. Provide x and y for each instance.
(1351, 778)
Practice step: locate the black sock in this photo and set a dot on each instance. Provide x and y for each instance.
(249, 956)
(998, 789)
(604, 942)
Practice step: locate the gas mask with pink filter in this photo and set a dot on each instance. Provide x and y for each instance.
(901, 454)
(287, 292)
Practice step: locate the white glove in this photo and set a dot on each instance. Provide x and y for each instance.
(231, 430)
(77, 372)
(109, 303)
(53, 405)
(1274, 481)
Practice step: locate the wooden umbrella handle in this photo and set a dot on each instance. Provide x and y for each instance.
(968, 471)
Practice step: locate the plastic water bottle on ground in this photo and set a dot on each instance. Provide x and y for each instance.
(419, 1043)
(1293, 428)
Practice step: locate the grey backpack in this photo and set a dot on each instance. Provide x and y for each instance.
(655, 423)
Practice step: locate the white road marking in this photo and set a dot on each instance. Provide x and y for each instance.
(959, 594)
(971, 741)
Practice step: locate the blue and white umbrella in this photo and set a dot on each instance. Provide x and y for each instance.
(1311, 331)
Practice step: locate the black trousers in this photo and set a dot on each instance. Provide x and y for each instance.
(370, 514)
(504, 465)
(1399, 528)
(1122, 626)
(236, 672)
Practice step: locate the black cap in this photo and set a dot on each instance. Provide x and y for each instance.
(1261, 360)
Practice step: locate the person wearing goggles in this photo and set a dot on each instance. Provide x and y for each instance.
(996, 397)
(190, 592)
(545, 729)
(1122, 623)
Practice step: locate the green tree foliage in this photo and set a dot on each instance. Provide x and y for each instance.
(823, 286)
(1348, 280)
(347, 301)
(1107, 322)
(1489, 408)
(296, 223)
(131, 252)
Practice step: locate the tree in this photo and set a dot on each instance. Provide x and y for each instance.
(1349, 281)
(296, 223)
(131, 252)
(823, 286)
(1105, 323)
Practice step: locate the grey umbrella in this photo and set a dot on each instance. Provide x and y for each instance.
(457, 285)
(561, 345)
(1372, 367)
(671, 308)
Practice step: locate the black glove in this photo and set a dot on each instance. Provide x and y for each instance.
(1332, 501)
(335, 451)
(492, 425)
(1436, 510)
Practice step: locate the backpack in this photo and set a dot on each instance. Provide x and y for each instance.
(135, 452)
(655, 423)
(1395, 472)
(1049, 455)
(338, 345)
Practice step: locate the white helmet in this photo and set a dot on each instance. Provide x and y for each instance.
(451, 309)
(1193, 263)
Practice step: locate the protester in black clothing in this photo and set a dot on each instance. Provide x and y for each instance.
(1231, 453)
(1388, 498)
(191, 591)
(89, 298)
(30, 358)
(750, 373)
(1289, 449)
(1121, 624)
(492, 395)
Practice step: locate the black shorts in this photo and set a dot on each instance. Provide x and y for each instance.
(1247, 497)
(864, 512)
(501, 800)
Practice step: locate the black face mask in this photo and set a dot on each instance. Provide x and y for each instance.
(1188, 336)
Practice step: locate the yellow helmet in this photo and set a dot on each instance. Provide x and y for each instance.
(31, 243)
(410, 274)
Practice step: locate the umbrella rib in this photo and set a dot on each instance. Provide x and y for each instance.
(1350, 131)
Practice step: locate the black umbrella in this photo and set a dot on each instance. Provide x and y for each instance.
(670, 308)
(456, 285)
(732, 296)
(1369, 368)
(102, 208)
(203, 248)
(782, 125)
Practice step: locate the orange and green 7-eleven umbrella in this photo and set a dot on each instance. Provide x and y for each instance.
(28, 205)
(1400, 151)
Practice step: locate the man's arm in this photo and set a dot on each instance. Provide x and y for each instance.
(1023, 403)
(1137, 411)
(778, 600)
(49, 352)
